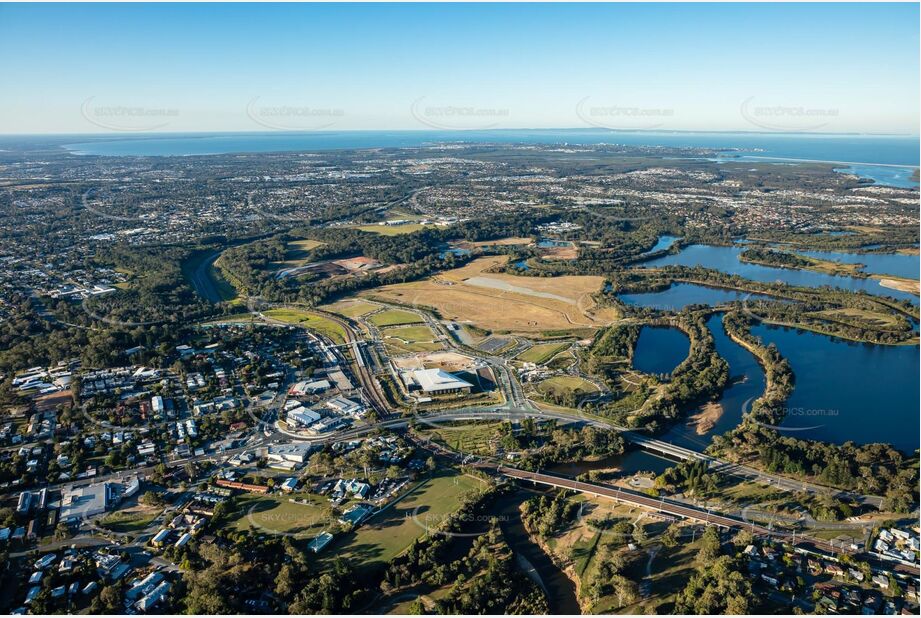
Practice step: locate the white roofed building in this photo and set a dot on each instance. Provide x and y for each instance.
(435, 382)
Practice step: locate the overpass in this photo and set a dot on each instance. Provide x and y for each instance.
(673, 508)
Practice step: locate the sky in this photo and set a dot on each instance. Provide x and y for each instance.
(245, 67)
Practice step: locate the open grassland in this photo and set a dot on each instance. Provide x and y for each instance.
(350, 308)
(310, 321)
(391, 230)
(394, 317)
(297, 253)
(390, 532)
(561, 385)
(505, 303)
(130, 520)
(541, 353)
(475, 438)
(406, 339)
(860, 317)
(277, 514)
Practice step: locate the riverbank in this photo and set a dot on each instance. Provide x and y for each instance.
(903, 285)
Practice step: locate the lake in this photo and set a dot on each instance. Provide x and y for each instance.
(660, 349)
(665, 242)
(896, 264)
(849, 391)
(680, 295)
(726, 259)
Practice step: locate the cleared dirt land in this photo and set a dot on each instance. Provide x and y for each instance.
(449, 361)
(501, 302)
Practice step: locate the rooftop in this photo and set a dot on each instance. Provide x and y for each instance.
(434, 380)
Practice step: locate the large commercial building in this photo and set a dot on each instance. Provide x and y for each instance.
(88, 501)
(435, 382)
(302, 417)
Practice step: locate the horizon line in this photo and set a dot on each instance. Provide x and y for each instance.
(155, 134)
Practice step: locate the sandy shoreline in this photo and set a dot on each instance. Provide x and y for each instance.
(903, 285)
(705, 419)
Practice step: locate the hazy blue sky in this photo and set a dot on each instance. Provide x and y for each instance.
(244, 67)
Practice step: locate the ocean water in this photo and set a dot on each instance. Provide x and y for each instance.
(895, 150)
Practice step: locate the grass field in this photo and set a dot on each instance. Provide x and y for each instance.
(350, 308)
(390, 532)
(130, 520)
(311, 321)
(394, 317)
(476, 438)
(567, 384)
(391, 230)
(860, 317)
(406, 339)
(541, 353)
(505, 303)
(296, 253)
(268, 514)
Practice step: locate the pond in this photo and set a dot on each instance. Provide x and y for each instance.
(549, 243)
(849, 391)
(726, 259)
(660, 349)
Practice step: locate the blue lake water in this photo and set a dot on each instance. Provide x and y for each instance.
(746, 384)
(726, 259)
(460, 252)
(665, 241)
(849, 391)
(882, 264)
(549, 243)
(660, 349)
(680, 295)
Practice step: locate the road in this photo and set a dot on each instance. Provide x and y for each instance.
(201, 279)
(678, 509)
